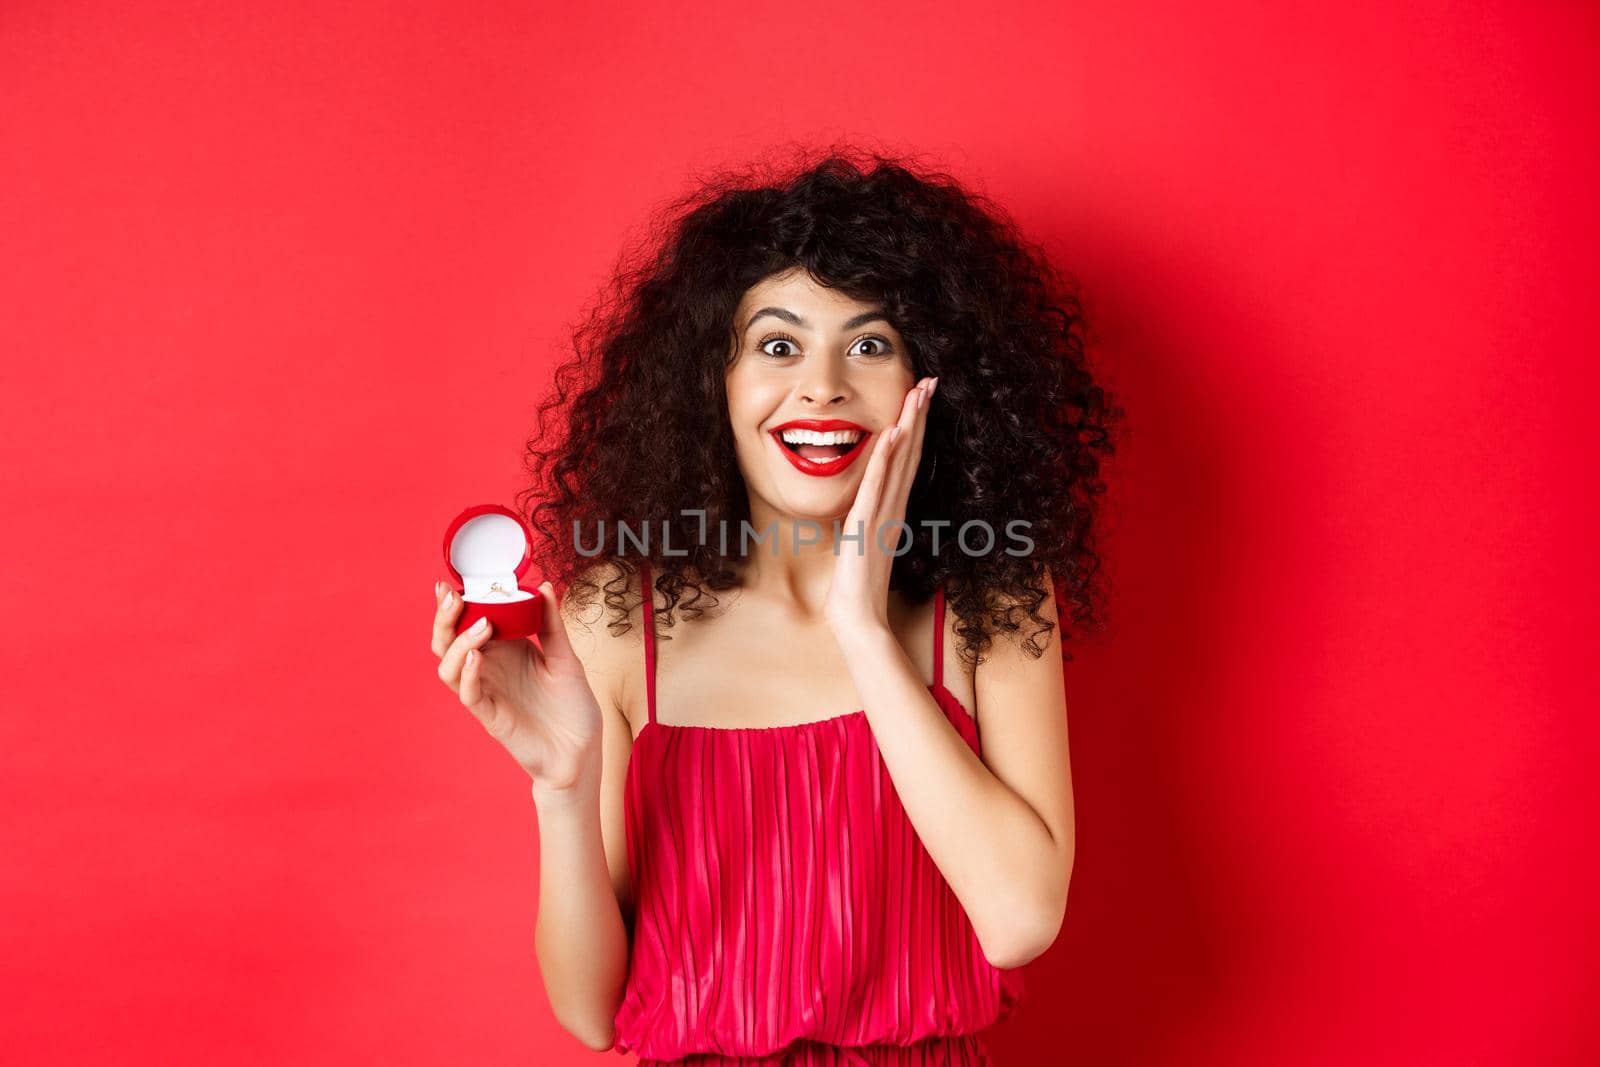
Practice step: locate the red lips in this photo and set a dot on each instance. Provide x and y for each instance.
(811, 466)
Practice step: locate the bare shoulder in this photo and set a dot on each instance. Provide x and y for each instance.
(1017, 642)
(610, 658)
(1022, 718)
(1020, 685)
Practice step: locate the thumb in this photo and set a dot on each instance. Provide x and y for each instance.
(552, 634)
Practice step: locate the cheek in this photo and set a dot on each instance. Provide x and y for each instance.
(740, 412)
(887, 401)
(736, 392)
(750, 402)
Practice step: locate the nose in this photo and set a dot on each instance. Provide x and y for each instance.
(824, 383)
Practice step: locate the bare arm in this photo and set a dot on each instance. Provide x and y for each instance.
(585, 906)
(554, 708)
(1000, 829)
(581, 937)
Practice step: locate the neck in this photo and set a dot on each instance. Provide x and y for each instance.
(795, 563)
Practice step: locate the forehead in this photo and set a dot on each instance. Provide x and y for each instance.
(797, 291)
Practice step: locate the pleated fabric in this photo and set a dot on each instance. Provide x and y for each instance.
(786, 911)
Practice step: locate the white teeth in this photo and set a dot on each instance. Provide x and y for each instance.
(814, 437)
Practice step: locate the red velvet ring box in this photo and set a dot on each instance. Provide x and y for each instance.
(489, 550)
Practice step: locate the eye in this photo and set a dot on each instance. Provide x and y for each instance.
(882, 346)
(877, 347)
(777, 338)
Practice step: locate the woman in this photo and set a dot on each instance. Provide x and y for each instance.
(850, 397)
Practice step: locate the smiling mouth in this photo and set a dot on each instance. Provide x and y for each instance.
(821, 452)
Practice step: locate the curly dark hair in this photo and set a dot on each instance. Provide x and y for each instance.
(1015, 430)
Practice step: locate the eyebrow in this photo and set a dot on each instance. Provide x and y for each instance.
(875, 315)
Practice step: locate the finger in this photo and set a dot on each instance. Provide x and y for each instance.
(472, 686)
(472, 677)
(865, 507)
(908, 452)
(922, 419)
(897, 485)
(474, 636)
(444, 620)
(869, 493)
(901, 490)
(553, 639)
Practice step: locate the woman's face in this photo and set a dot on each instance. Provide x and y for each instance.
(808, 353)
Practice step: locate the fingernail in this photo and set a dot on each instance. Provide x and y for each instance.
(438, 590)
(481, 625)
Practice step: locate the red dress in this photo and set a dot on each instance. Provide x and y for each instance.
(785, 910)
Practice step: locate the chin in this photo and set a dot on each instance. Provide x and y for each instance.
(815, 502)
(818, 507)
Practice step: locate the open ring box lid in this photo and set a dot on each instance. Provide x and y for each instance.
(488, 550)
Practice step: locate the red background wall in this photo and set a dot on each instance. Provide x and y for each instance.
(282, 284)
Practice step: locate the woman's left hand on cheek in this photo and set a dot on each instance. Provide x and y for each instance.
(859, 594)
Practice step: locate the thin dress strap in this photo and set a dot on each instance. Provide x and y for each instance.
(938, 637)
(649, 636)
